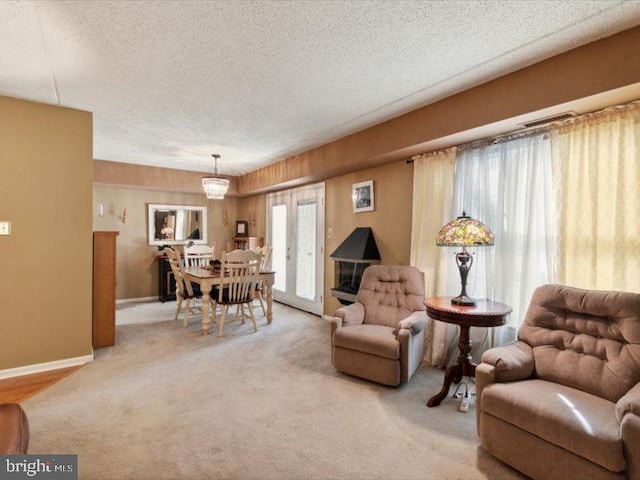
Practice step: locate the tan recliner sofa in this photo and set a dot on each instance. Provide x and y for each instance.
(564, 401)
(14, 430)
(380, 337)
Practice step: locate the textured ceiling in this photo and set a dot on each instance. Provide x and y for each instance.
(172, 82)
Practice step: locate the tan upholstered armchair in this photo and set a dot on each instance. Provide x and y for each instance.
(564, 401)
(14, 430)
(380, 337)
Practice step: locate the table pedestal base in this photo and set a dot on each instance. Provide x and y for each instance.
(485, 313)
(464, 368)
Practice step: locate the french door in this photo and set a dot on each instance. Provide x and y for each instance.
(295, 230)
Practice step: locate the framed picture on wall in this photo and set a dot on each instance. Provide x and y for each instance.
(242, 228)
(362, 196)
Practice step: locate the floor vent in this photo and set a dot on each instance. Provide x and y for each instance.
(553, 118)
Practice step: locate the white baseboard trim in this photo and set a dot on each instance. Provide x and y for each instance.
(45, 367)
(136, 300)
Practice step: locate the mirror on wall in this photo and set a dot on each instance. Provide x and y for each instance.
(177, 224)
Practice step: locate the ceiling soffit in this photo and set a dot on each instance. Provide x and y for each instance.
(585, 79)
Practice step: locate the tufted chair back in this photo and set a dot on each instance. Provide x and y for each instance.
(390, 294)
(585, 339)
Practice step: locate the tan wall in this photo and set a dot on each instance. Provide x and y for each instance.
(254, 209)
(390, 221)
(46, 172)
(152, 178)
(137, 267)
(598, 67)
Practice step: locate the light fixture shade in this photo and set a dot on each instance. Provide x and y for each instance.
(215, 187)
(464, 231)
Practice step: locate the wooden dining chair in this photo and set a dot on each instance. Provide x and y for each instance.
(184, 289)
(265, 258)
(198, 255)
(238, 271)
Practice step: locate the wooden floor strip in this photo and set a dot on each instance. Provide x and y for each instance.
(19, 389)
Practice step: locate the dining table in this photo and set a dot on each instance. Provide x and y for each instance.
(208, 278)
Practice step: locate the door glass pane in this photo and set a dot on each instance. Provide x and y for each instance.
(306, 250)
(279, 244)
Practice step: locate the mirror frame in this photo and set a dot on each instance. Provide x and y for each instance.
(153, 207)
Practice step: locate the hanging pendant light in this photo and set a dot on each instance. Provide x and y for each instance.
(215, 187)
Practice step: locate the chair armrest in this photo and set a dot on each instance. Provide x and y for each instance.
(336, 323)
(410, 335)
(629, 403)
(503, 364)
(14, 430)
(628, 414)
(414, 322)
(512, 362)
(351, 314)
(485, 376)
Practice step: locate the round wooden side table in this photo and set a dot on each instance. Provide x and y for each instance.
(485, 313)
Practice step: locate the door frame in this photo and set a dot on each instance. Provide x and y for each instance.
(290, 297)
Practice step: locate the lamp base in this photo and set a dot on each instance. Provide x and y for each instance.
(463, 300)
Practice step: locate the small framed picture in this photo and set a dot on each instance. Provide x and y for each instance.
(362, 196)
(242, 228)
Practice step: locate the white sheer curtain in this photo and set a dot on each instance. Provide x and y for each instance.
(563, 207)
(433, 182)
(597, 168)
(508, 186)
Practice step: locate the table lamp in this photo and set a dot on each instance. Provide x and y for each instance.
(464, 232)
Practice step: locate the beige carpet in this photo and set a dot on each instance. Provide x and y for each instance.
(167, 403)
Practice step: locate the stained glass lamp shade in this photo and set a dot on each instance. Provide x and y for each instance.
(464, 232)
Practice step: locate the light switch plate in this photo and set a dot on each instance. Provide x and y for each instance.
(5, 228)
